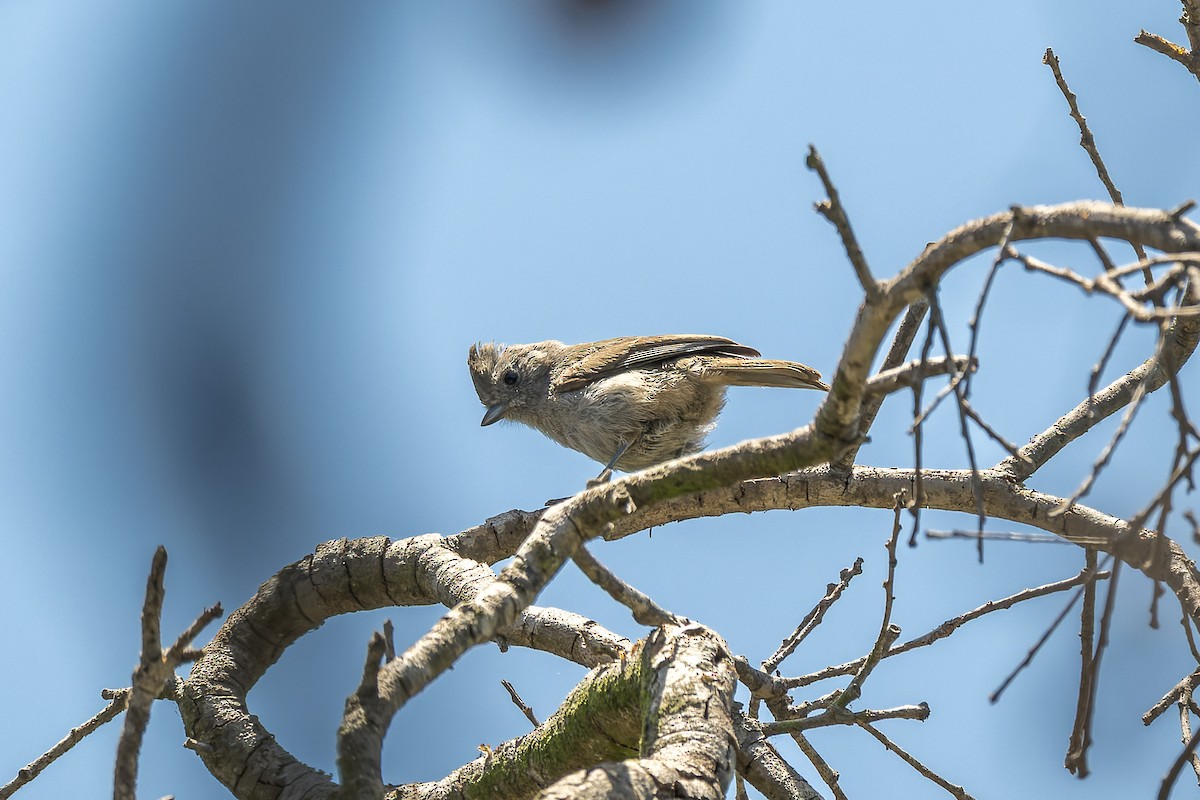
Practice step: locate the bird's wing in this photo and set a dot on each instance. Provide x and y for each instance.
(612, 356)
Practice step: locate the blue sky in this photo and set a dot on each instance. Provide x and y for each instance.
(244, 249)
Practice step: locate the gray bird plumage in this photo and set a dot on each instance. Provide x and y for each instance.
(630, 402)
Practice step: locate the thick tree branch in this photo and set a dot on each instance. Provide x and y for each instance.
(341, 577)
(868, 487)
(687, 747)
(906, 333)
(599, 721)
(765, 768)
(1082, 221)
(948, 490)
(774, 472)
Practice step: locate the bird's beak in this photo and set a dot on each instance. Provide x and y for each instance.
(495, 412)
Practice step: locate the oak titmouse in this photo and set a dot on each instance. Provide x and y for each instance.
(629, 403)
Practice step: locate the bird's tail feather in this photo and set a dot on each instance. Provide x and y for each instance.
(733, 371)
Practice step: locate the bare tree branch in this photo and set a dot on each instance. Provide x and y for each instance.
(73, 737)
(906, 333)
(692, 678)
(519, 703)
(833, 211)
(955, 791)
(828, 774)
(1177, 347)
(1087, 141)
(1184, 756)
(1185, 686)
(888, 632)
(1187, 58)
(1076, 760)
(152, 675)
(765, 768)
(836, 715)
(946, 628)
(774, 472)
(645, 610)
(812, 619)
(913, 372)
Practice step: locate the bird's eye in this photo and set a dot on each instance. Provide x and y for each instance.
(511, 377)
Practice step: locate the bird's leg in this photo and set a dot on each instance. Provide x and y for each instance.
(606, 474)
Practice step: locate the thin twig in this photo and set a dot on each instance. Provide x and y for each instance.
(907, 375)
(956, 791)
(992, 433)
(950, 388)
(853, 690)
(888, 633)
(976, 321)
(1106, 261)
(1108, 284)
(1181, 473)
(147, 679)
(813, 618)
(950, 626)
(1183, 259)
(1076, 760)
(645, 611)
(804, 709)
(1185, 729)
(1164, 789)
(827, 773)
(1099, 367)
(1079, 758)
(836, 715)
(73, 737)
(994, 697)
(1185, 686)
(1001, 536)
(519, 703)
(1088, 142)
(1191, 640)
(935, 318)
(918, 498)
(833, 210)
(1156, 550)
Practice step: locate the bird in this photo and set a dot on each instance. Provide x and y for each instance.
(629, 403)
